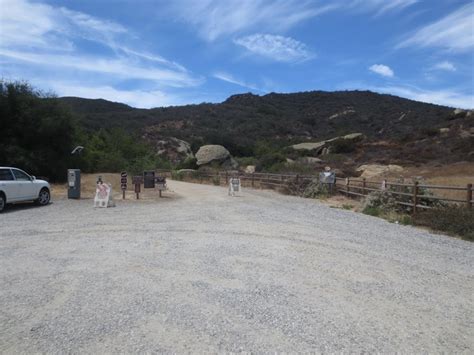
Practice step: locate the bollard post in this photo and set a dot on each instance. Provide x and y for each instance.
(415, 196)
(469, 196)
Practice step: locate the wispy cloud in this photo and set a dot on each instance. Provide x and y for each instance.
(380, 7)
(134, 98)
(446, 97)
(382, 69)
(50, 39)
(446, 66)
(453, 32)
(231, 79)
(279, 48)
(453, 96)
(215, 18)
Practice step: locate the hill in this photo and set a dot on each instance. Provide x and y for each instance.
(398, 130)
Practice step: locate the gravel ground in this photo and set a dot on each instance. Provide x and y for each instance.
(204, 272)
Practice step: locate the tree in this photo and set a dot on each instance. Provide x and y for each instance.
(37, 133)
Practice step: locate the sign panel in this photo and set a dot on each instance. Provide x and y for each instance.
(327, 177)
(234, 186)
(123, 180)
(137, 180)
(160, 183)
(149, 179)
(103, 196)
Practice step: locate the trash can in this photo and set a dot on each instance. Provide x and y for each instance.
(74, 183)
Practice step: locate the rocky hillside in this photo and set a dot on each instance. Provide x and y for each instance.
(395, 130)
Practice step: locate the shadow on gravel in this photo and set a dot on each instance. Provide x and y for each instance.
(16, 207)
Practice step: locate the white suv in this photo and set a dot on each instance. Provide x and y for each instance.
(18, 186)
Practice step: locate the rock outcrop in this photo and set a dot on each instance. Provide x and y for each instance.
(318, 147)
(215, 154)
(372, 170)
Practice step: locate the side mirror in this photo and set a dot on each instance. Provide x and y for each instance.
(33, 178)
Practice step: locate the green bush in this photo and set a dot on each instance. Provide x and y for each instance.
(188, 163)
(457, 220)
(316, 190)
(379, 201)
(372, 211)
(341, 146)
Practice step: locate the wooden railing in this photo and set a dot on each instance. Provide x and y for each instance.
(413, 195)
(405, 194)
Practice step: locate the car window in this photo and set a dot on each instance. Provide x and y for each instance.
(20, 175)
(5, 175)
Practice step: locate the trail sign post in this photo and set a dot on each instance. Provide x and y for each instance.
(234, 186)
(160, 182)
(123, 182)
(137, 181)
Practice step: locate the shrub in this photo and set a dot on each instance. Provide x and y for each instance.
(188, 163)
(380, 201)
(372, 211)
(341, 145)
(457, 220)
(316, 190)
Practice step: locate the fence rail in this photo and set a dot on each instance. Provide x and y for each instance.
(412, 195)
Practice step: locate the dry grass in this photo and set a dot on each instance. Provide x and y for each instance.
(88, 183)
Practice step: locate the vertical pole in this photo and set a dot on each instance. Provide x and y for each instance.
(363, 186)
(160, 193)
(347, 186)
(226, 177)
(253, 180)
(415, 196)
(469, 196)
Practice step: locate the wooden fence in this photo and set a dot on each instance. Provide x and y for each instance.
(413, 195)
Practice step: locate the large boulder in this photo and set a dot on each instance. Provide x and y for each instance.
(215, 154)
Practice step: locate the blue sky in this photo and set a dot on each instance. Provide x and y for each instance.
(159, 53)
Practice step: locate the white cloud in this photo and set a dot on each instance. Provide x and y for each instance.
(453, 97)
(231, 79)
(216, 18)
(41, 41)
(446, 97)
(134, 98)
(381, 6)
(117, 67)
(381, 69)
(447, 66)
(453, 32)
(279, 48)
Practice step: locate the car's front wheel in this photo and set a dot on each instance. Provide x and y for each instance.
(2, 202)
(44, 197)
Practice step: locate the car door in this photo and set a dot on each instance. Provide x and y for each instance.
(24, 184)
(8, 185)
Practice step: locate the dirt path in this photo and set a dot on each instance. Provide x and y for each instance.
(202, 271)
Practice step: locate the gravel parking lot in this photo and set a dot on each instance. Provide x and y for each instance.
(204, 272)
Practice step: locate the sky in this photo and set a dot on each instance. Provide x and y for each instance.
(161, 53)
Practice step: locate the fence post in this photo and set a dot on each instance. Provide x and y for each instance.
(297, 179)
(253, 180)
(218, 177)
(226, 178)
(347, 186)
(363, 186)
(415, 196)
(469, 196)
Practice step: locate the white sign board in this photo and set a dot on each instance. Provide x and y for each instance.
(234, 186)
(103, 196)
